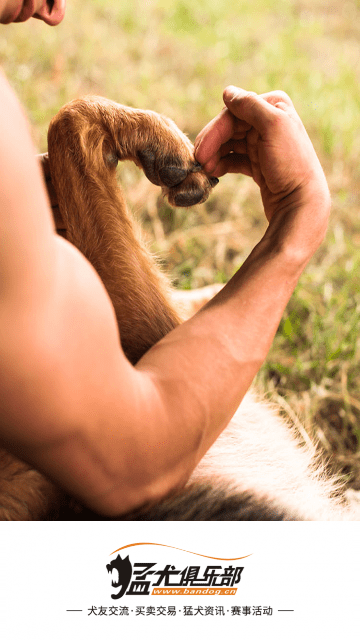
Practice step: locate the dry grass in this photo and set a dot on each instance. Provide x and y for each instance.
(175, 57)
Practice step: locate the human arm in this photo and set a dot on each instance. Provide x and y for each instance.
(119, 436)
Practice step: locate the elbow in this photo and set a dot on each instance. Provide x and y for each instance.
(158, 456)
(139, 497)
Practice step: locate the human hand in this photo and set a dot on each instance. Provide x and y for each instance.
(263, 137)
(43, 158)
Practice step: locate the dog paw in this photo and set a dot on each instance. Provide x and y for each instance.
(169, 162)
(194, 189)
(184, 185)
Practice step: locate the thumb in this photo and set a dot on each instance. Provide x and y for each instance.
(232, 92)
(248, 106)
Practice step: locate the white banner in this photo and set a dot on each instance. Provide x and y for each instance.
(252, 580)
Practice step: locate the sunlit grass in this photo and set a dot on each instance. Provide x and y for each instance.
(176, 56)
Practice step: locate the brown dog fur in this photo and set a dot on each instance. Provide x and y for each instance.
(257, 470)
(86, 140)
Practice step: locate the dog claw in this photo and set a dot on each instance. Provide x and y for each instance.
(196, 167)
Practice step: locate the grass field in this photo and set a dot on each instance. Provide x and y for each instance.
(176, 56)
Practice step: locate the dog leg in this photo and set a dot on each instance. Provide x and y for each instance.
(95, 216)
(86, 139)
(256, 470)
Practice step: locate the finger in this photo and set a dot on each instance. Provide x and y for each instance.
(232, 146)
(250, 107)
(207, 128)
(252, 148)
(274, 97)
(222, 128)
(210, 166)
(233, 163)
(240, 135)
(281, 100)
(289, 109)
(216, 132)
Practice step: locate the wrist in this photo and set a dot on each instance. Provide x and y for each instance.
(297, 229)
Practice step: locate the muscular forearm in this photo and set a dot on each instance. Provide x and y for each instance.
(117, 435)
(203, 368)
(127, 438)
(187, 387)
(215, 355)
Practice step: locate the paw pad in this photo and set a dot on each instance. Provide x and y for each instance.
(171, 176)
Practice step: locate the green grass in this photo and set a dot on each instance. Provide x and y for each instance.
(176, 56)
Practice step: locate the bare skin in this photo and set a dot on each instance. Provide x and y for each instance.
(115, 435)
(51, 12)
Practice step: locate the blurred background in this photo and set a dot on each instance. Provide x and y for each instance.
(176, 57)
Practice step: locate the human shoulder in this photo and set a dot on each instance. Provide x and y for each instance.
(25, 215)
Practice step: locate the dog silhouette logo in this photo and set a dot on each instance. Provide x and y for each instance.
(124, 573)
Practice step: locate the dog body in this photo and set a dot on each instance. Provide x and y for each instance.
(257, 469)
